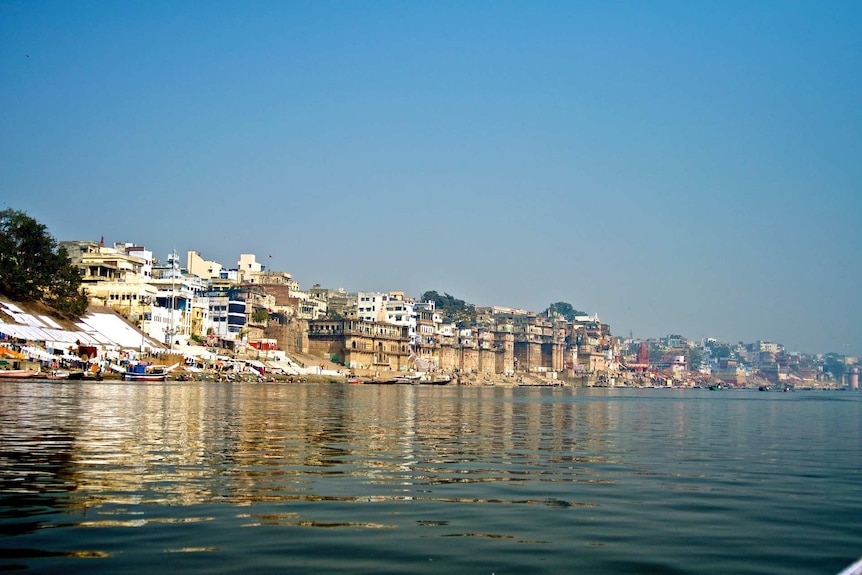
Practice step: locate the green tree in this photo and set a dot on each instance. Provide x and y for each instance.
(332, 314)
(655, 352)
(34, 268)
(720, 351)
(564, 309)
(260, 315)
(834, 364)
(453, 309)
(695, 358)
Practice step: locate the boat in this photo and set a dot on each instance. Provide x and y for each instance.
(147, 372)
(18, 373)
(57, 374)
(854, 569)
(422, 378)
(144, 372)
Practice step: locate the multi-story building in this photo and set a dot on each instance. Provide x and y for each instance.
(202, 268)
(117, 276)
(176, 293)
(400, 311)
(339, 303)
(371, 306)
(227, 315)
(361, 344)
(248, 268)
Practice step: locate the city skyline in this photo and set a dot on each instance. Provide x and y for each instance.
(674, 168)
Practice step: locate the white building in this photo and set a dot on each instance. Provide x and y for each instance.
(401, 312)
(248, 267)
(371, 306)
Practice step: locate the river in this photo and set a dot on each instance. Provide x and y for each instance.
(320, 478)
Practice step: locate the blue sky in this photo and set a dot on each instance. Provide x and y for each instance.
(676, 167)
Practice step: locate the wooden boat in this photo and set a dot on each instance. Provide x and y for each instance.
(147, 372)
(18, 373)
(422, 379)
(57, 374)
(133, 375)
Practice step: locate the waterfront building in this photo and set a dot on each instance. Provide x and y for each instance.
(371, 306)
(118, 276)
(361, 345)
(211, 301)
(176, 293)
(400, 311)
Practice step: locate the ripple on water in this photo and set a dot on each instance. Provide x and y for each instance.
(308, 478)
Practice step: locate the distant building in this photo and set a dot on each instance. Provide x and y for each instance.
(202, 268)
(248, 268)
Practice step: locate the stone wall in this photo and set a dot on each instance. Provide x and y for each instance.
(292, 337)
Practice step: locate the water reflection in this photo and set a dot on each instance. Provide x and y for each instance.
(540, 466)
(92, 445)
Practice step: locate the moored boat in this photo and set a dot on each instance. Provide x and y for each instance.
(18, 373)
(147, 372)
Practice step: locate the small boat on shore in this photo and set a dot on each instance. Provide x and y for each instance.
(57, 374)
(147, 372)
(422, 378)
(18, 373)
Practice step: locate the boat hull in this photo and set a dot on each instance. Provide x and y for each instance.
(18, 373)
(145, 376)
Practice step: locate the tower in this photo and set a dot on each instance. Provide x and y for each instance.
(643, 354)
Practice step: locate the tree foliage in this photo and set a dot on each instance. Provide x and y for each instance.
(34, 268)
(453, 309)
(834, 364)
(695, 358)
(720, 350)
(260, 315)
(564, 309)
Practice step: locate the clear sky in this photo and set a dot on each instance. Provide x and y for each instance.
(676, 167)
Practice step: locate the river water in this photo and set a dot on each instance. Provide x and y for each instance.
(318, 478)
